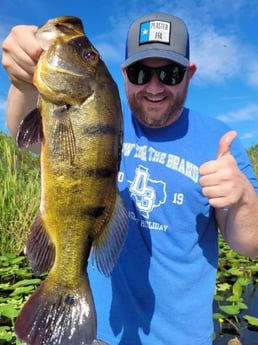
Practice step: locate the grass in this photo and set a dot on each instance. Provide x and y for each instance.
(20, 191)
(253, 155)
(237, 277)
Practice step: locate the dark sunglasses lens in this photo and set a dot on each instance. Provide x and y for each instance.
(138, 75)
(171, 75)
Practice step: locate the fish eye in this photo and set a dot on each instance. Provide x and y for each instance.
(89, 55)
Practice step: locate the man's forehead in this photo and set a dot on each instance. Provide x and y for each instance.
(155, 61)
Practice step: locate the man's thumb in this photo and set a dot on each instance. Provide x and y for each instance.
(225, 143)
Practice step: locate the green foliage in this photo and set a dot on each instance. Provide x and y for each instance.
(253, 155)
(16, 284)
(237, 280)
(19, 190)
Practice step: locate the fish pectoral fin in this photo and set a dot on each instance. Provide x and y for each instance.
(30, 130)
(107, 247)
(62, 137)
(40, 250)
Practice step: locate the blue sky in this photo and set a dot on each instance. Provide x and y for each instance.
(224, 45)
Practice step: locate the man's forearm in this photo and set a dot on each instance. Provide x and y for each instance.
(20, 103)
(239, 225)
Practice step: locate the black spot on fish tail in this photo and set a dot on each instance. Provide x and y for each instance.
(69, 299)
(94, 212)
(100, 129)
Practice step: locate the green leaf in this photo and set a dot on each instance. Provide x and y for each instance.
(219, 298)
(22, 290)
(253, 321)
(242, 305)
(235, 271)
(233, 298)
(237, 289)
(218, 316)
(5, 334)
(8, 311)
(244, 281)
(230, 309)
(223, 287)
(26, 282)
(17, 260)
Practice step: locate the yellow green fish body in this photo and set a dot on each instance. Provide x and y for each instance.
(81, 211)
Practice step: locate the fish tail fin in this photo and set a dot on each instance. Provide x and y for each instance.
(55, 316)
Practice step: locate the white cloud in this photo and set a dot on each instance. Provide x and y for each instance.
(216, 55)
(249, 135)
(109, 52)
(2, 104)
(253, 72)
(248, 113)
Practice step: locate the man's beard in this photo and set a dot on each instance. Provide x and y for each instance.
(167, 117)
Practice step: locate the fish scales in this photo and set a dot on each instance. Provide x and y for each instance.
(81, 213)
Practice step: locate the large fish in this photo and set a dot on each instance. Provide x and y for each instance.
(78, 121)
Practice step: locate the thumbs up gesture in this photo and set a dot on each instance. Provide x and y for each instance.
(221, 180)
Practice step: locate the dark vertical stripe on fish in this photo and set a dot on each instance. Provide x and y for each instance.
(97, 173)
(93, 211)
(100, 129)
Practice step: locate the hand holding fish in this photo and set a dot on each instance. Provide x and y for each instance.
(21, 53)
(221, 180)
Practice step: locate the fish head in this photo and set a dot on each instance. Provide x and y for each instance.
(67, 67)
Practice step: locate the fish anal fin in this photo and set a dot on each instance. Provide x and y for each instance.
(40, 250)
(106, 248)
(30, 130)
(55, 314)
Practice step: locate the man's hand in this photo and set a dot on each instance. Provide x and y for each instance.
(21, 51)
(221, 180)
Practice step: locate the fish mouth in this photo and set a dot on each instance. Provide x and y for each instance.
(67, 26)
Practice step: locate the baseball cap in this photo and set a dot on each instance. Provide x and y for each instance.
(157, 35)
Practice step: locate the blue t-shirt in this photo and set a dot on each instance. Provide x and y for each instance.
(162, 287)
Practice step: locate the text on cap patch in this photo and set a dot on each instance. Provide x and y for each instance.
(155, 31)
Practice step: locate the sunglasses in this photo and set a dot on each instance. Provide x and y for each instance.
(169, 74)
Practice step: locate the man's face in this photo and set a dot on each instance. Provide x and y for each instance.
(156, 104)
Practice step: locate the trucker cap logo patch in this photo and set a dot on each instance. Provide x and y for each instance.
(155, 31)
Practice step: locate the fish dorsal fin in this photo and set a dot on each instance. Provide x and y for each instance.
(107, 247)
(30, 130)
(40, 250)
